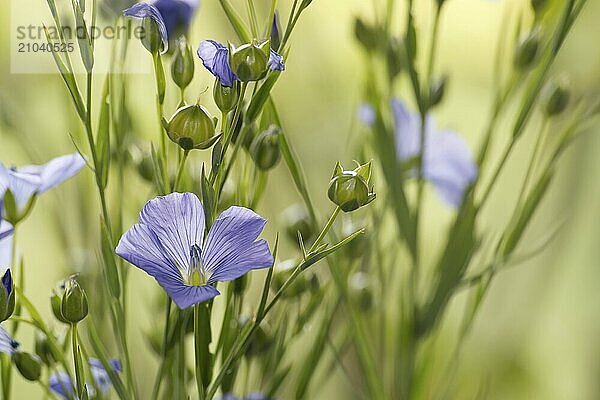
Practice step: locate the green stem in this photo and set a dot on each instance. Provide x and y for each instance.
(79, 378)
(203, 358)
(181, 169)
(161, 369)
(326, 229)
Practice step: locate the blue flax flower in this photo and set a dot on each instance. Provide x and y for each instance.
(26, 182)
(6, 239)
(250, 396)
(168, 243)
(173, 17)
(448, 163)
(215, 57)
(61, 384)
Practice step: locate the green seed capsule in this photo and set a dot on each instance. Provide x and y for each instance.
(226, 98)
(350, 189)
(265, 149)
(526, 53)
(192, 127)
(557, 101)
(150, 36)
(250, 62)
(44, 350)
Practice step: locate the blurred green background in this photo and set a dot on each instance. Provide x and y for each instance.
(538, 334)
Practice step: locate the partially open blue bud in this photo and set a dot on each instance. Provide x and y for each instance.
(265, 149)
(182, 66)
(250, 62)
(192, 127)
(74, 305)
(7, 296)
(350, 189)
(275, 32)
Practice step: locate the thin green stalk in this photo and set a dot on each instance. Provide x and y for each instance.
(325, 229)
(181, 169)
(160, 373)
(79, 378)
(253, 19)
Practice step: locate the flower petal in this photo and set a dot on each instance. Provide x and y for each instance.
(22, 187)
(407, 130)
(176, 14)
(6, 239)
(6, 230)
(276, 61)
(56, 171)
(186, 296)
(3, 182)
(230, 250)
(7, 344)
(145, 10)
(99, 374)
(449, 165)
(177, 220)
(215, 57)
(60, 383)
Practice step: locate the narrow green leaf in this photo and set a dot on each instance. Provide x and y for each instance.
(83, 37)
(103, 138)
(260, 98)
(236, 22)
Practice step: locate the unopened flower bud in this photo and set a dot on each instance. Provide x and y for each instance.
(226, 97)
(265, 149)
(368, 36)
(44, 350)
(361, 290)
(7, 296)
(240, 284)
(182, 66)
(259, 343)
(29, 365)
(437, 91)
(142, 161)
(150, 37)
(395, 57)
(250, 62)
(350, 189)
(558, 100)
(526, 52)
(74, 305)
(296, 219)
(359, 244)
(192, 127)
(56, 304)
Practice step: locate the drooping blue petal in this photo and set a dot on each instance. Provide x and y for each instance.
(3, 183)
(255, 396)
(22, 186)
(177, 15)
(6, 230)
(147, 10)
(231, 249)
(407, 131)
(276, 61)
(7, 344)
(56, 171)
(215, 57)
(60, 383)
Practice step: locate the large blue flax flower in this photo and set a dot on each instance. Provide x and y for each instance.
(448, 162)
(215, 57)
(26, 182)
(168, 243)
(173, 17)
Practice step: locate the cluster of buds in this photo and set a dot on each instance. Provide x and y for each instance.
(351, 190)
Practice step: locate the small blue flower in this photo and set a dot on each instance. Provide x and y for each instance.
(448, 162)
(250, 396)
(215, 57)
(7, 344)
(25, 182)
(173, 17)
(168, 243)
(61, 384)
(99, 374)
(366, 114)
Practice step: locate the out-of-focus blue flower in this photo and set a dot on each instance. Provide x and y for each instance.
(250, 396)
(366, 114)
(168, 244)
(173, 17)
(61, 384)
(215, 57)
(6, 239)
(100, 376)
(25, 182)
(448, 162)
(7, 344)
